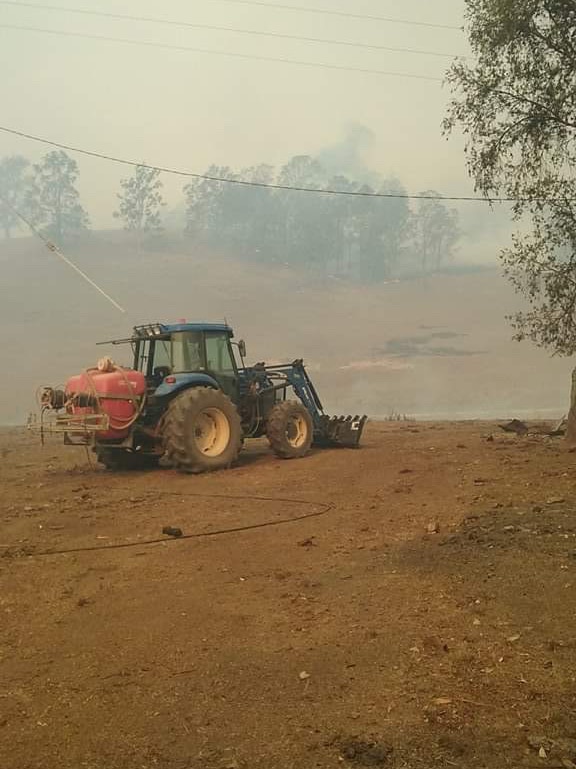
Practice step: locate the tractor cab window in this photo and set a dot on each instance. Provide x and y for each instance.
(162, 354)
(218, 356)
(153, 354)
(187, 354)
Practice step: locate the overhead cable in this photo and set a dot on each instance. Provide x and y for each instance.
(211, 51)
(236, 30)
(344, 14)
(264, 185)
(55, 250)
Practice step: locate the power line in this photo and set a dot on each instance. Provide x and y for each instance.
(212, 27)
(344, 14)
(303, 9)
(55, 250)
(244, 183)
(170, 47)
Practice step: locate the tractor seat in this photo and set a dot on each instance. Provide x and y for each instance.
(160, 373)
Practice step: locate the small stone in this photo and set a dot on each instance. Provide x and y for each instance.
(555, 501)
(476, 621)
(513, 638)
(366, 753)
(442, 701)
(304, 676)
(433, 527)
(172, 531)
(542, 753)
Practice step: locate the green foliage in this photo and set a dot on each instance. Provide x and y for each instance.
(362, 238)
(15, 184)
(53, 200)
(516, 106)
(141, 202)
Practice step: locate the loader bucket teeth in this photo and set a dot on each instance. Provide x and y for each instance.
(341, 431)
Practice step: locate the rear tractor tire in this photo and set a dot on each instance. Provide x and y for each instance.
(121, 460)
(290, 430)
(202, 431)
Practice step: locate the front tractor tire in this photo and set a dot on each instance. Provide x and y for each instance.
(289, 430)
(201, 431)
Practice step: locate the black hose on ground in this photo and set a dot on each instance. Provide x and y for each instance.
(324, 508)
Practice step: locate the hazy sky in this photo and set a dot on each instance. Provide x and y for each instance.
(188, 110)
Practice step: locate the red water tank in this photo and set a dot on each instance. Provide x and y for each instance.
(118, 393)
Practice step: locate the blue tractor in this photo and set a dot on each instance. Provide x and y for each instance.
(190, 397)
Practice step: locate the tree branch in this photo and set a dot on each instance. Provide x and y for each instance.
(538, 105)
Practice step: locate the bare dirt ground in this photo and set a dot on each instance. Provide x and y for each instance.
(428, 619)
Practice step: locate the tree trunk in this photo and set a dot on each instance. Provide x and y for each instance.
(571, 422)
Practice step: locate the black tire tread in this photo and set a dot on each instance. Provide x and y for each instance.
(174, 430)
(276, 430)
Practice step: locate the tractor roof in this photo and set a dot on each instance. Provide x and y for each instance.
(158, 329)
(155, 330)
(223, 328)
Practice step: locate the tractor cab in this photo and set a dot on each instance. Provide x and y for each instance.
(170, 355)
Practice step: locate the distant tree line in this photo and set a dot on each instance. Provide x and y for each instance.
(365, 238)
(359, 237)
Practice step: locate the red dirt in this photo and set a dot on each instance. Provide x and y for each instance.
(428, 619)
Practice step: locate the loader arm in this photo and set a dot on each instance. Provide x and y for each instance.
(335, 431)
(295, 375)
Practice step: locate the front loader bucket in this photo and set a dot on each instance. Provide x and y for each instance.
(341, 431)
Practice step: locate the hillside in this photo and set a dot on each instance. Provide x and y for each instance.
(439, 347)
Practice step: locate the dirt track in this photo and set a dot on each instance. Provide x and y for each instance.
(355, 638)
